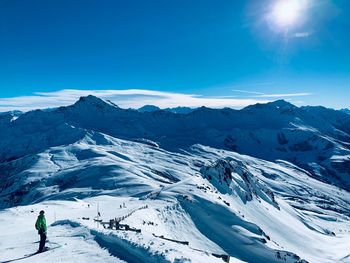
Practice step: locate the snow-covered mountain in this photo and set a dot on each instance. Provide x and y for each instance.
(192, 203)
(148, 108)
(9, 116)
(180, 110)
(315, 138)
(345, 110)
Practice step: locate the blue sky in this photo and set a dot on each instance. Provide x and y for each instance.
(217, 53)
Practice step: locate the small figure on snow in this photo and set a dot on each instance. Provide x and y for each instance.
(40, 225)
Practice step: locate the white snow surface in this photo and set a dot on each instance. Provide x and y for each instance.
(190, 204)
(219, 201)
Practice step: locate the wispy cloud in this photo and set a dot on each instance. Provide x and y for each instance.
(302, 34)
(248, 92)
(130, 98)
(283, 95)
(258, 94)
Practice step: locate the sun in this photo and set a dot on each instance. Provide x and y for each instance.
(286, 13)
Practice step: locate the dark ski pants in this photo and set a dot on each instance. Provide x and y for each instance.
(42, 241)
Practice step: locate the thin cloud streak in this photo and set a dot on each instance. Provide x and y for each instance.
(258, 94)
(302, 34)
(282, 95)
(248, 92)
(130, 98)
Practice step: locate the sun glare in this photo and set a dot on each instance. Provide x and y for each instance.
(286, 13)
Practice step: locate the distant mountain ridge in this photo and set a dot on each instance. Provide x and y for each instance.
(315, 138)
(345, 110)
(179, 110)
(148, 108)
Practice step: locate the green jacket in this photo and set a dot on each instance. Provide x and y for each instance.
(40, 224)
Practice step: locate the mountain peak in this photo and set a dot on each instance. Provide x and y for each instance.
(90, 100)
(345, 110)
(278, 104)
(148, 108)
(281, 104)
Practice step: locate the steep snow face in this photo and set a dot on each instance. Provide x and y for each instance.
(310, 137)
(232, 177)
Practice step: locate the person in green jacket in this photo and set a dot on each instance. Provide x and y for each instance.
(40, 225)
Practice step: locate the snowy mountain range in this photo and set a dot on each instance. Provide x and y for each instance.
(179, 110)
(315, 138)
(268, 183)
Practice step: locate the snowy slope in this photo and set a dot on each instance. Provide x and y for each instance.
(220, 202)
(73, 161)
